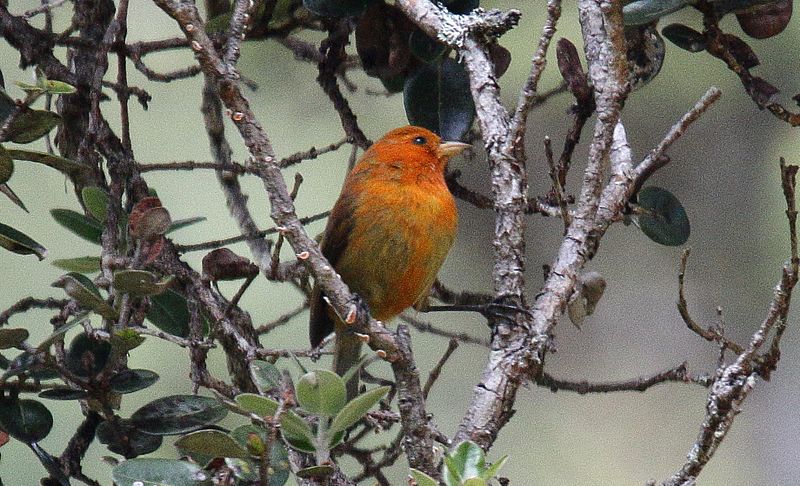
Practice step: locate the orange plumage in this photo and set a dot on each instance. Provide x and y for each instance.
(389, 232)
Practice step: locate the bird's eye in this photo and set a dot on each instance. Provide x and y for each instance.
(419, 141)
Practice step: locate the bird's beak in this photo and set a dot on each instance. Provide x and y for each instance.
(449, 149)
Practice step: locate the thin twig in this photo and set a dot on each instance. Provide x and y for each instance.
(638, 384)
(437, 370)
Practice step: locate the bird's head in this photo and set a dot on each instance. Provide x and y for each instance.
(415, 148)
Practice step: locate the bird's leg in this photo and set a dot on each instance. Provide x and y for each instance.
(497, 309)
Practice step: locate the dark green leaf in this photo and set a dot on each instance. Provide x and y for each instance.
(467, 461)
(356, 408)
(664, 220)
(261, 406)
(124, 340)
(424, 47)
(297, 432)
(140, 282)
(437, 96)
(96, 201)
(321, 392)
(159, 472)
(491, 471)
(61, 164)
(6, 165)
(170, 313)
(211, 443)
(645, 11)
(31, 125)
(87, 356)
(266, 375)
(87, 264)
(684, 37)
(20, 243)
(84, 291)
(11, 338)
(129, 381)
(25, 420)
(318, 472)
(7, 106)
(63, 394)
(121, 438)
(178, 414)
(183, 223)
(336, 8)
(87, 228)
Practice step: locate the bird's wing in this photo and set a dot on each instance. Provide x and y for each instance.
(334, 244)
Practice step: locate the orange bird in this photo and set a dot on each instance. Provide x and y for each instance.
(388, 233)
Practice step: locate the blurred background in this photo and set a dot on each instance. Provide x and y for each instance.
(724, 170)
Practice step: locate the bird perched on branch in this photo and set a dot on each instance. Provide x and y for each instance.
(388, 233)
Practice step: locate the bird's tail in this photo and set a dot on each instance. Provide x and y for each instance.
(346, 353)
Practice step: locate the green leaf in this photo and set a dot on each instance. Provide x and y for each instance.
(61, 164)
(124, 340)
(684, 37)
(297, 432)
(212, 443)
(261, 406)
(87, 228)
(96, 201)
(159, 472)
(355, 409)
(121, 438)
(25, 420)
(178, 414)
(84, 291)
(63, 394)
(31, 125)
(87, 356)
(424, 47)
(437, 96)
(336, 8)
(423, 479)
(475, 482)
(450, 472)
(266, 375)
(664, 220)
(184, 223)
(490, 472)
(11, 338)
(6, 165)
(129, 381)
(317, 472)
(29, 88)
(646, 11)
(20, 243)
(87, 264)
(170, 313)
(467, 461)
(321, 392)
(140, 283)
(56, 87)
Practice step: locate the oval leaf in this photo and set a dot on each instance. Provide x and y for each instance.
(170, 313)
(121, 438)
(11, 338)
(159, 472)
(646, 11)
(140, 282)
(297, 432)
(356, 408)
(437, 96)
(87, 356)
(265, 375)
(423, 479)
(129, 381)
(212, 443)
(31, 125)
(87, 228)
(63, 394)
(25, 420)
(684, 37)
(424, 47)
(467, 461)
(87, 264)
(96, 202)
(321, 392)
(664, 219)
(20, 243)
(261, 406)
(178, 414)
